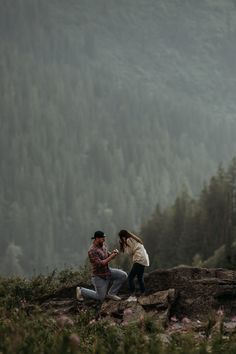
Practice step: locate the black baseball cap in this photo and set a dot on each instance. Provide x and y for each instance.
(98, 234)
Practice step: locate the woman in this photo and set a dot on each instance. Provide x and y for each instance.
(133, 245)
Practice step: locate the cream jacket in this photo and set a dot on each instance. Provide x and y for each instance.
(137, 251)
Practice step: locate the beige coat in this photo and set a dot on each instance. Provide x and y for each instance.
(137, 251)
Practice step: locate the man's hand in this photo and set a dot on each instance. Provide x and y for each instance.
(111, 255)
(114, 253)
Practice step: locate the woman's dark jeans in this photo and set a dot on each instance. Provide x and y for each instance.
(137, 270)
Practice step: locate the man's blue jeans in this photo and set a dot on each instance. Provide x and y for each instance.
(117, 278)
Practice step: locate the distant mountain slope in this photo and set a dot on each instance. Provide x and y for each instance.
(107, 108)
(186, 46)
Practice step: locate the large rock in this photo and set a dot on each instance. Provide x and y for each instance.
(157, 306)
(200, 291)
(160, 299)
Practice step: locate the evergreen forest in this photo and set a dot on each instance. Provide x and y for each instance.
(116, 114)
(200, 231)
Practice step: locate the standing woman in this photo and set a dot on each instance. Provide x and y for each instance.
(133, 245)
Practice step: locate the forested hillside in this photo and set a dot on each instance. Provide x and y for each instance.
(191, 230)
(107, 109)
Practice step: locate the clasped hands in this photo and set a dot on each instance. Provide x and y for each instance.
(114, 253)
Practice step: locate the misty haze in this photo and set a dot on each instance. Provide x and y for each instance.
(117, 115)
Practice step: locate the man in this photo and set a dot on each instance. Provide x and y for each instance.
(102, 274)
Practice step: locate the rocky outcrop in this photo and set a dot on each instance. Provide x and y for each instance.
(199, 291)
(180, 293)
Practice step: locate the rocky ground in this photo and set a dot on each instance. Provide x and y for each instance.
(181, 299)
(185, 310)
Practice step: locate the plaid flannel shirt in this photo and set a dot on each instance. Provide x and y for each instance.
(96, 256)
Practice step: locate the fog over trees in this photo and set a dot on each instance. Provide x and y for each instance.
(109, 110)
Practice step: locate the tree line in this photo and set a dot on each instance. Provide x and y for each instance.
(192, 229)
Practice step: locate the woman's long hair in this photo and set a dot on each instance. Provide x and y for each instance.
(124, 235)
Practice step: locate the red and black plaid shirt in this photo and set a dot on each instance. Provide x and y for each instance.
(96, 256)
